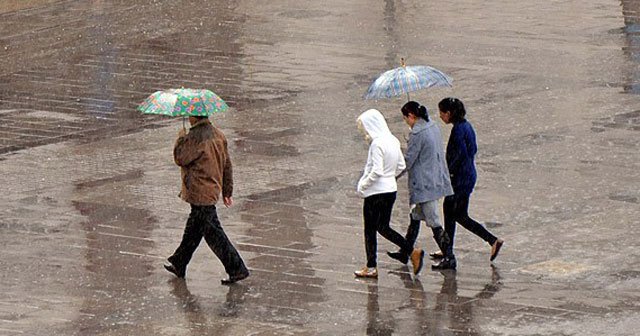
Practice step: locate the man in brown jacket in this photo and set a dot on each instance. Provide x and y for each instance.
(206, 172)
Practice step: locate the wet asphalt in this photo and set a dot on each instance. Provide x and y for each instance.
(89, 207)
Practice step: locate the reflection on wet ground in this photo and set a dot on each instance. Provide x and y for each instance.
(280, 235)
(378, 323)
(628, 121)
(85, 224)
(118, 283)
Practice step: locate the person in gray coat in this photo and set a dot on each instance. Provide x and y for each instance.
(429, 181)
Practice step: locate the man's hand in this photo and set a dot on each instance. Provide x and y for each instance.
(182, 132)
(228, 201)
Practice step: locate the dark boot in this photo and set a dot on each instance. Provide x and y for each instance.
(445, 264)
(442, 239)
(412, 231)
(440, 236)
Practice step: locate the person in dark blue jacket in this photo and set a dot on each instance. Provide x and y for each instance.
(460, 153)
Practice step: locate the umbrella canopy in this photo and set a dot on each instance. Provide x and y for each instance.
(183, 102)
(405, 79)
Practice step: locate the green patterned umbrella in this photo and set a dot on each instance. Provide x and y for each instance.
(183, 102)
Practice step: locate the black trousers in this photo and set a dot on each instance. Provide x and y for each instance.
(203, 222)
(377, 215)
(455, 209)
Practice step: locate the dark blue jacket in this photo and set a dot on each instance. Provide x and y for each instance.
(461, 150)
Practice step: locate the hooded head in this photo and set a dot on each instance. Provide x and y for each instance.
(372, 123)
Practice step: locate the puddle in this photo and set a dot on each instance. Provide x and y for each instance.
(52, 115)
(133, 175)
(556, 268)
(297, 191)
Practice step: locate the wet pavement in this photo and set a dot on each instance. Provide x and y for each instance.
(89, 203)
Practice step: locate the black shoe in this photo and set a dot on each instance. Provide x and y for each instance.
(399, 256)
(169, 267)
(445, 264)
(235, 278)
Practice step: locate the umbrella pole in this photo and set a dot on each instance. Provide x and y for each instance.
(408, 99)
(183, 122)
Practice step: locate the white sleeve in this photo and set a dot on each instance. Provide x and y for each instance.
(401, 164)
(377, 169)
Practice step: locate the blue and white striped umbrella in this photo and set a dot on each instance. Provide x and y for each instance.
(406, 79)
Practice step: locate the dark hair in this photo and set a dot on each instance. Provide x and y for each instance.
(202, 132)
(453, 106)
(416, 109)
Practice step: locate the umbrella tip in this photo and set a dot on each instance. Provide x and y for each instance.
(402, 62)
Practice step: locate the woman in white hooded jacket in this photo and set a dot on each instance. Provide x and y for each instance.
(378, 187)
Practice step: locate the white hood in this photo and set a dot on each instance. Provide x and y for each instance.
(384, 161)
(374, 124)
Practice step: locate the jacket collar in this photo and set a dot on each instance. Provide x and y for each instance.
(420, 125)
(200, 123)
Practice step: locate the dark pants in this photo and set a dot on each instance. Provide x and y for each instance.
(455, 209)
(377, 215)
(203, 222)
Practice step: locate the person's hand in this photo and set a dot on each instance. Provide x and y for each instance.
(228, 201)
(182, 132)
(359, 190)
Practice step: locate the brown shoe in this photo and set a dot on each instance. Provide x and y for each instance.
(367, 272)
(417, 258)
(495, 249)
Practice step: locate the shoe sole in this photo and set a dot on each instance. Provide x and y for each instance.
(366, 276)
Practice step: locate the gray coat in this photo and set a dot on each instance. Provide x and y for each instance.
(426, 164)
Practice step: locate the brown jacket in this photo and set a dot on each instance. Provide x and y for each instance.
(205, 164)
